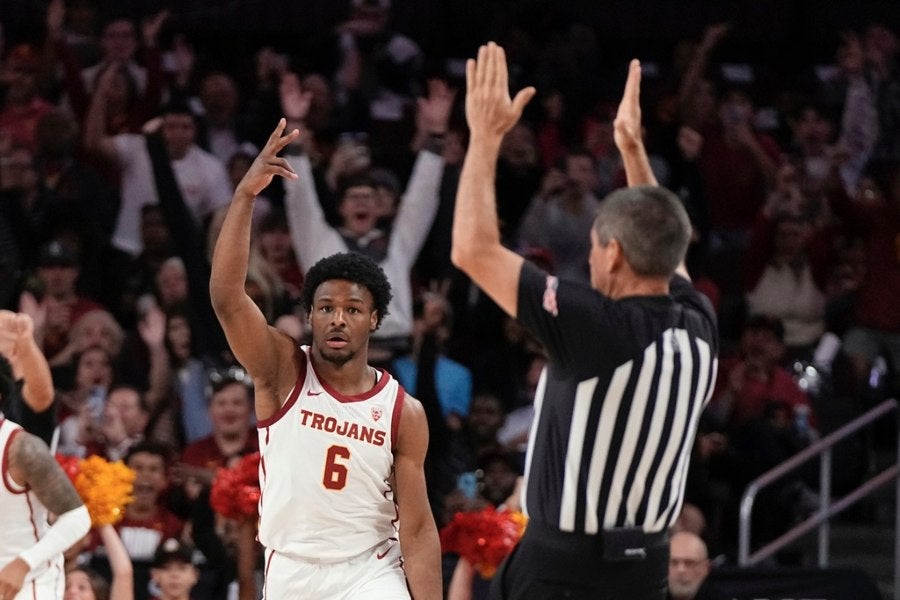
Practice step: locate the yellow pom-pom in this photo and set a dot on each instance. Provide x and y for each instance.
(105, 488)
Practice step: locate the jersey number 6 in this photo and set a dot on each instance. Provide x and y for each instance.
(335, 476)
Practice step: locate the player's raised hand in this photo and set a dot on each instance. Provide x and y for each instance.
(268, 164)
(489, 110)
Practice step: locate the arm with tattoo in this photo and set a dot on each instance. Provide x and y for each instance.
(32, 464)
(31, 459)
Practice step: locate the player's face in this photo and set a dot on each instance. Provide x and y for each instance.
(342, 317)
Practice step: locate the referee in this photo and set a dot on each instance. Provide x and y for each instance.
(632, 362)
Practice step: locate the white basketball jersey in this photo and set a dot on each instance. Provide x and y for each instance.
(326, 464)
(23, 520)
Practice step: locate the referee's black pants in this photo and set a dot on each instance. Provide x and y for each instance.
(549, 564)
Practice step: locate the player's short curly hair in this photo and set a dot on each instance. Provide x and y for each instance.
(349, 266)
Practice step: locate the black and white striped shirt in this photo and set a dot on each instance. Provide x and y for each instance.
(617, 407)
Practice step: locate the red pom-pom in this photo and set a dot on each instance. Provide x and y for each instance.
(235, 491)
(69, 464)
(484, 538)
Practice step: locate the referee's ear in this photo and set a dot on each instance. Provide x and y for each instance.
(615, 257)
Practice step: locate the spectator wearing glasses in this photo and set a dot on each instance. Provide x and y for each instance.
(231, 414)
(230, 410)
(688, 568)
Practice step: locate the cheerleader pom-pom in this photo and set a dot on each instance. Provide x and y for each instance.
(235, 491)
(484, 538)
(105, 487)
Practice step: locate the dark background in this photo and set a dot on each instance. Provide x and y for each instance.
(786, 30)
(782, 39)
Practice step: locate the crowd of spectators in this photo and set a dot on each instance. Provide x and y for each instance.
(121, 140)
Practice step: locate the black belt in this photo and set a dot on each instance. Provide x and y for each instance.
(625, 543)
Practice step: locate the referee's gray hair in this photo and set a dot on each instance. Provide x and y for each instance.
(650, 224)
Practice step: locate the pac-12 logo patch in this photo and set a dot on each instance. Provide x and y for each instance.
(376, 413)
(549, 301)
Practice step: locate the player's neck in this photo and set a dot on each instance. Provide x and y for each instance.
(351, 378)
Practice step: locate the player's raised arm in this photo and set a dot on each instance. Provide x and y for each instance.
(262, 350)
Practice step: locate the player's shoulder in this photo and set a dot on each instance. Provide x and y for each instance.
(26, 451)
(410, 413)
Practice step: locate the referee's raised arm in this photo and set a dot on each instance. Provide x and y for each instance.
(490, 112)
(630, 364)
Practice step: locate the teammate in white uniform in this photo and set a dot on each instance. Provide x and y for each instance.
(343, 447)
(31, 560)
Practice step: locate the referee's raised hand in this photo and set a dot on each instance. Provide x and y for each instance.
(629, 132)
(627, 125)
(489, 110)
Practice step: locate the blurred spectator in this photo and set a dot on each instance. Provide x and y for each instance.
(865, 88)
(200, 178)
(225, 128)
(173, 573)
(748, 383)
(459, 483)
(552, 137)
(873, 214)
(812, 136)
(313, 239)
(519, 176)
(517, 425)
(559, 218)
(273, 239)
(21, 108)
(171, 283)
(688, 569)
(696, 93)
(499, 474)
(73, 202)
(379, 64)
(146, 522)
(233, 434)
(737, 164)
(95, 328)
(135, 68)
(82, 400)
(83, 583)
(190, 375)
(125, 419)
(56, 306)
(76, 22)
(133, 279)
(431, 327)
(786, 266)
(690, 519)
(882, 48)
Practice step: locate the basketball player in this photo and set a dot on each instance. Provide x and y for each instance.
(342, 445)
(31, 550)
